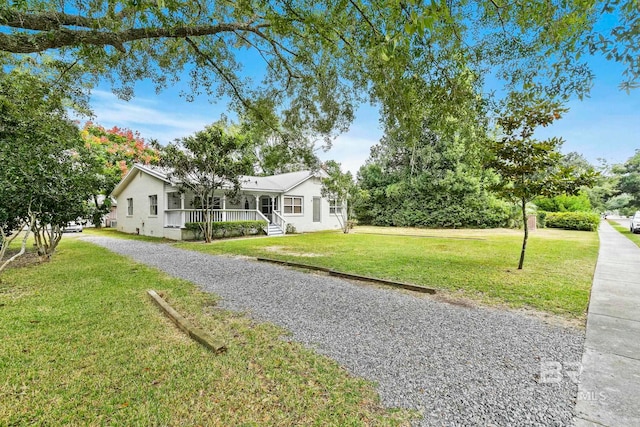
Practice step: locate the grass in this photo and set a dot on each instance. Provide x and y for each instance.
(82, 344)
(635, 238)
(476, 264)
(112, 232)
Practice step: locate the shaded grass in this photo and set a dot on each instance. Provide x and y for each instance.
(635, 238)
(112, 232)
(478, 264)
(82, 344)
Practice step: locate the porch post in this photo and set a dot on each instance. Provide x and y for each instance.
(182, 201)
(224, 206)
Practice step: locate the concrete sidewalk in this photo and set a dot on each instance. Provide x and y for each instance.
(609, 389)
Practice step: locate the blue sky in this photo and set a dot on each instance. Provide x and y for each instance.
(606, 125)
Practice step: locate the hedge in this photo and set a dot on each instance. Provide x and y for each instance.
(573, 220)
(228, 228)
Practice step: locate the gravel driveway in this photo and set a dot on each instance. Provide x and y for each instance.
(457, 365)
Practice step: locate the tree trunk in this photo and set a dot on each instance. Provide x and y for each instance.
(526, 233)
(345, 219)
(96, 218)
(6, 242)
(207, 226)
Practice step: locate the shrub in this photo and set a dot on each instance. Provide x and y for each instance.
(565, 203)
(573, 220)
(290, 229)
(228, 228)
(542, 219)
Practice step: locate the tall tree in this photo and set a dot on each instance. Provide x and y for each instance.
(211, 159)
(530, 168)
(111, 152)
(43, 179)
(435, 180)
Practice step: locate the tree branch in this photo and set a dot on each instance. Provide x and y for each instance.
(43, 21)
(365, 17)
(221, 73)
(55, 37)
(498, 7)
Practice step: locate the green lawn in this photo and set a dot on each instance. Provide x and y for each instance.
(82, 344)
(477, 264)
(635, 238)
(112, 232)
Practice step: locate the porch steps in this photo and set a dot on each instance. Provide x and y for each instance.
(274, 230)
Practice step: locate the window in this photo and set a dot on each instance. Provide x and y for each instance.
(153, 205)
(335, 206)
(293, 205)
(174, 200)
(129, 207)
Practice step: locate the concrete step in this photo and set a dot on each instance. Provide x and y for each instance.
(274, 230)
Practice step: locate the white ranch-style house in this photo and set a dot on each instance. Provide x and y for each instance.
(149, 203)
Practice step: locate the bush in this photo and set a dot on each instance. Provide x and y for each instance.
(542, 219)
(573, 220)
(228, 228)
(565, 203)
(290, 229)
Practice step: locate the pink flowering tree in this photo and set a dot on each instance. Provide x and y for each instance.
(112, 152)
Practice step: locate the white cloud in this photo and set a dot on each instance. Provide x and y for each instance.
(164, 121)
(164, 118)
(351, 152)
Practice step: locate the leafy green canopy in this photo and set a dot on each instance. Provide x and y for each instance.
(211, 159)
(629, 179)
(319, 58)
(43, 179)
(434, 182)
(298, 49)
(528, 167)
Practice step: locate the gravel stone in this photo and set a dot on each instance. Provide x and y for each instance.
(456, 365)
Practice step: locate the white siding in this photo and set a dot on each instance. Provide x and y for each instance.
(139, 189)
(303, 223)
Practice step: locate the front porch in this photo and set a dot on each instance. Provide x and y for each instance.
(245, 207)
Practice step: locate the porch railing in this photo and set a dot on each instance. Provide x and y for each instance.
(179, 217)
(260, 216)
(279, 221)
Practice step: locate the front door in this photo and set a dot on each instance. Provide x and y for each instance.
(266, 207)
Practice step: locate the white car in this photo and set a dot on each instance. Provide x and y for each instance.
(72, 227)
(635, 223)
